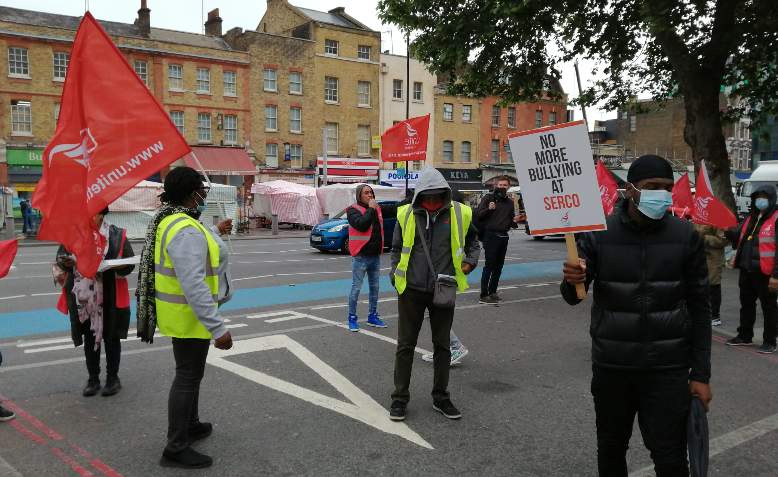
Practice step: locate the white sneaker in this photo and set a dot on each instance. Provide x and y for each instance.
(457, 354)
(427, 357)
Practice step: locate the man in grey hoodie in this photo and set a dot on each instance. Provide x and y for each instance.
(446, 227)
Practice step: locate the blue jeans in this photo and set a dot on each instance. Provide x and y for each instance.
(359, 266)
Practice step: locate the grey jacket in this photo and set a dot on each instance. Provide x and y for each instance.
(188, 250)
(436, 232)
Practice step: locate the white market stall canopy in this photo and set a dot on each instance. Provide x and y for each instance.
(293, 203)
(336, 197)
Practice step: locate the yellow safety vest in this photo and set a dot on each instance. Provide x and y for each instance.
(461, 217)
(174, 315)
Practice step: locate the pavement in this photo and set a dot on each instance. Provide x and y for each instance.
(300, 395)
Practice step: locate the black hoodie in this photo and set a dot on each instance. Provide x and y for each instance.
(747, 256)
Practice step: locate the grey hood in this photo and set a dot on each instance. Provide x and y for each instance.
(429, 179)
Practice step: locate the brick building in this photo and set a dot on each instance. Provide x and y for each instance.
(200, 80)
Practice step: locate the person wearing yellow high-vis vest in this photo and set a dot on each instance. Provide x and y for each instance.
(446, 227)
(190, 268)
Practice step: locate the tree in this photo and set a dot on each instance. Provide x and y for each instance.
(692, 48)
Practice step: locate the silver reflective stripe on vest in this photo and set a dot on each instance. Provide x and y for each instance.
(399, 273)
(460, 227)
(357, 238)
(406, 250)
(175, 299)
(408, 217)
(163, 241)
(767, 254)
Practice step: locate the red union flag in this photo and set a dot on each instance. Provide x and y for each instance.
(8, 250)
(608, 188)
(406, 140)
(708, 210)
(683, 202)
(111, 134)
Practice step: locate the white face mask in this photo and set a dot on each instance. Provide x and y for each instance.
(654, 203)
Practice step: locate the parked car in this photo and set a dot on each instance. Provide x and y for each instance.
(332, 234)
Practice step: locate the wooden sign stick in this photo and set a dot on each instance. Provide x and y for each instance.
(572, 257)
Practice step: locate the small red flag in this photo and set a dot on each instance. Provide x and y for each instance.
(708, 210)
(683, 202)
(112, 133)
(406, 140)
(609, 188)
(8, 249)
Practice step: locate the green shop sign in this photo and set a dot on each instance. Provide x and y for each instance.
(24, 157)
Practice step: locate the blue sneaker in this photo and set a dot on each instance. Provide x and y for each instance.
(374, 320)
(352, 323)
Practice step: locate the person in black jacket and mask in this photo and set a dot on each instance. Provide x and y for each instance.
(650, 329)
(755, 242)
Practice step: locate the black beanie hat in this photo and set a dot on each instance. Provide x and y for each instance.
(649, 167)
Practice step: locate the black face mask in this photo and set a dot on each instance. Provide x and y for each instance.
(500, 193)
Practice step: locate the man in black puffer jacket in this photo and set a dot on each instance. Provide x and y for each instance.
(650, 329)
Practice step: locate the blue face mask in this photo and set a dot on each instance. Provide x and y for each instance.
(654, 203)
(200, 208)
(761, 203)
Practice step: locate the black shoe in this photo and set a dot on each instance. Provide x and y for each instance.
(738, 341)
(186, 459)
(199, 431)
(397, 411)
(6, 415)
(112, 386)
(446, 408)
(767, 348)
(496, 297)
(92, 387)
(489, 300)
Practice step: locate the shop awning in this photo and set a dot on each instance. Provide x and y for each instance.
(223, 161)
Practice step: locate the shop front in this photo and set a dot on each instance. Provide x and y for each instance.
(467, 182)
(24, 169)
(397, 178)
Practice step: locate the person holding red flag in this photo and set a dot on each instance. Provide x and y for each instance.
(755, 244)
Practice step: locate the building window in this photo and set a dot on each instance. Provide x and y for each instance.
(495, 116)
(270, 80)
(417, 91)
(332, 138)
(21, 118)
(175, 77)
(295, 120)
(363, 140)
(60, 65)
(363, 93)
(511, 117)
(331, 89)
(363, 52)
(271, 117)
(467, 113)
(496, 151)
(448, 112)
(178, 120)
(56, 113)
(465, 151)
(203, 127)
(203, 80)
(397, 89)
(331, 47)
(230, 129)
(271, 154)
(17, 62)
(295, 82)
(538, 118)
(296, 154)
(230, 83)
(142, 70)
(448, 151)
(633, 123)
(552, 118)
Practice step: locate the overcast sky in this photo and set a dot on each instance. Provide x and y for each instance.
(187, 15)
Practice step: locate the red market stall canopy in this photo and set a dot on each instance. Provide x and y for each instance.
(224, 161)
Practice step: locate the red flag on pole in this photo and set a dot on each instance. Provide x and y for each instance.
(406, 140)
(683, 202)
(112, 133)
(708, 210)
(8, 250)
(609, 189)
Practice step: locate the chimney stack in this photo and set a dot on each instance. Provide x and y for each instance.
(143, 21)
(213, 26)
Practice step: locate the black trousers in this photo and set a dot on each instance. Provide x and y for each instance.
(715, 301)
(182, 412)
(495, 248)
(411, 306)
(113, 355)
(753, 285)
(661, 401)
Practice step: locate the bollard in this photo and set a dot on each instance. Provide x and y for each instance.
(274, 225)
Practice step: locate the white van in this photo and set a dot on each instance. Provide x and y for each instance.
(766, 173)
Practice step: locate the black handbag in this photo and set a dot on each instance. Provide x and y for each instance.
(445, 292)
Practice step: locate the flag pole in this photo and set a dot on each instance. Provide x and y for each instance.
(208, 180)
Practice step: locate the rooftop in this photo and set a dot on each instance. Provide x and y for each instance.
(336, 16)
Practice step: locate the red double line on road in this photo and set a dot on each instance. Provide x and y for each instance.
(53, 437)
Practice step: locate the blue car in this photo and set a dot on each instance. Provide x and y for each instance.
(332, 235)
